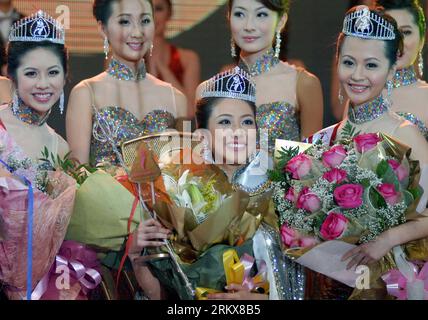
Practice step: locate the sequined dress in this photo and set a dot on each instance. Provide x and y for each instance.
(125, 126)
(406, 77)
(120, 124)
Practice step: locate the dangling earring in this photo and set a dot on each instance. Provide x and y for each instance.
(106, 47)
(15, 102)
(61, 103)
(278, 44)
(389, 87)
(151, 50)
(340, 96)
(206, 152)
(232, 48)
(421, 64)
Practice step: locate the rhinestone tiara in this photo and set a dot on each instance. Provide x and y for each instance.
(366, 24)
(37, 27)
(235, 84)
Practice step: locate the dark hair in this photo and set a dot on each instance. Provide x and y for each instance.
(413, 7)
(101, 9)
(16, 50)
(279, 6)
(393, 48)
(204, 109)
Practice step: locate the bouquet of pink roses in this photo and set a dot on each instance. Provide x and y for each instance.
(352, 191)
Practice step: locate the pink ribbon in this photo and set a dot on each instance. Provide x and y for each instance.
(248, 262)
(403, 288)
(81, 263)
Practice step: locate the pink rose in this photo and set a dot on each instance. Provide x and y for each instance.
(335, 175)
(349, 196)
(306, 242)
(333, 226)
(290, 195)
(388, 192)
(309, 201)
(334, 157)
(299, 166)
(290, 237)
(366, 142)
(399, 169)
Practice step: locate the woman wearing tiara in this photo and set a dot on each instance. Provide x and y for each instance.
(37, 67)
(133, 101)
(366, 59)
(226, 117)
(290, 102)
(410, 93)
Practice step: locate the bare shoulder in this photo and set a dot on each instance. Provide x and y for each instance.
(307, 80)
(5, 90)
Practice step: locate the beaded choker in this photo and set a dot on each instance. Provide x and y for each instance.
(29, 115)
(404, 77)
(263, 64)
(368, 111)
(121, 71)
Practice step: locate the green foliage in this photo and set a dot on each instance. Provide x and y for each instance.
(284, 156)
(70, 166)
(348, 133)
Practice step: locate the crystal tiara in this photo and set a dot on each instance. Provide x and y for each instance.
(234, 84)
(37, 27)
(365, 24)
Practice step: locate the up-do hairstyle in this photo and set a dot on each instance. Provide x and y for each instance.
(279, 6)
(102, 9)
(413, 7)
(383, 27)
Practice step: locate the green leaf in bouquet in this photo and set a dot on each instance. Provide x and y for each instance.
(408, 198)
(387, 174)
(284, 156)
(417, 192)
(318, 220)
(376, 198)
(348, 133)
(365, 183)
(382, 168)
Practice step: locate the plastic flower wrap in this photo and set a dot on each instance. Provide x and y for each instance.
(194, 193)
(50, 220)
(52, 194)
(207, 217)
(103, 206)
(351, 192)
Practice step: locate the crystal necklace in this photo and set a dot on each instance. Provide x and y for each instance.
(28, 115)
(404, 77)
(368, 111)
(121, 71)
(263, 64)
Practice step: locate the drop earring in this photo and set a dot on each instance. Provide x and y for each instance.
(232, 48)
(106, 47)
(278, 44)
(61, 103)
(15, 102)
(340, 96)
(421, 64)
(389, 87)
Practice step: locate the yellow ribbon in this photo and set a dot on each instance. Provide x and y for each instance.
(233, 267)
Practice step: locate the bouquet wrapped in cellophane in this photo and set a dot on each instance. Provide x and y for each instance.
(51, 201)
(207, 217)
(330, 198)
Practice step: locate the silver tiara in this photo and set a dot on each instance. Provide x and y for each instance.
(234, 84)
(38, 27)
(365, 24)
